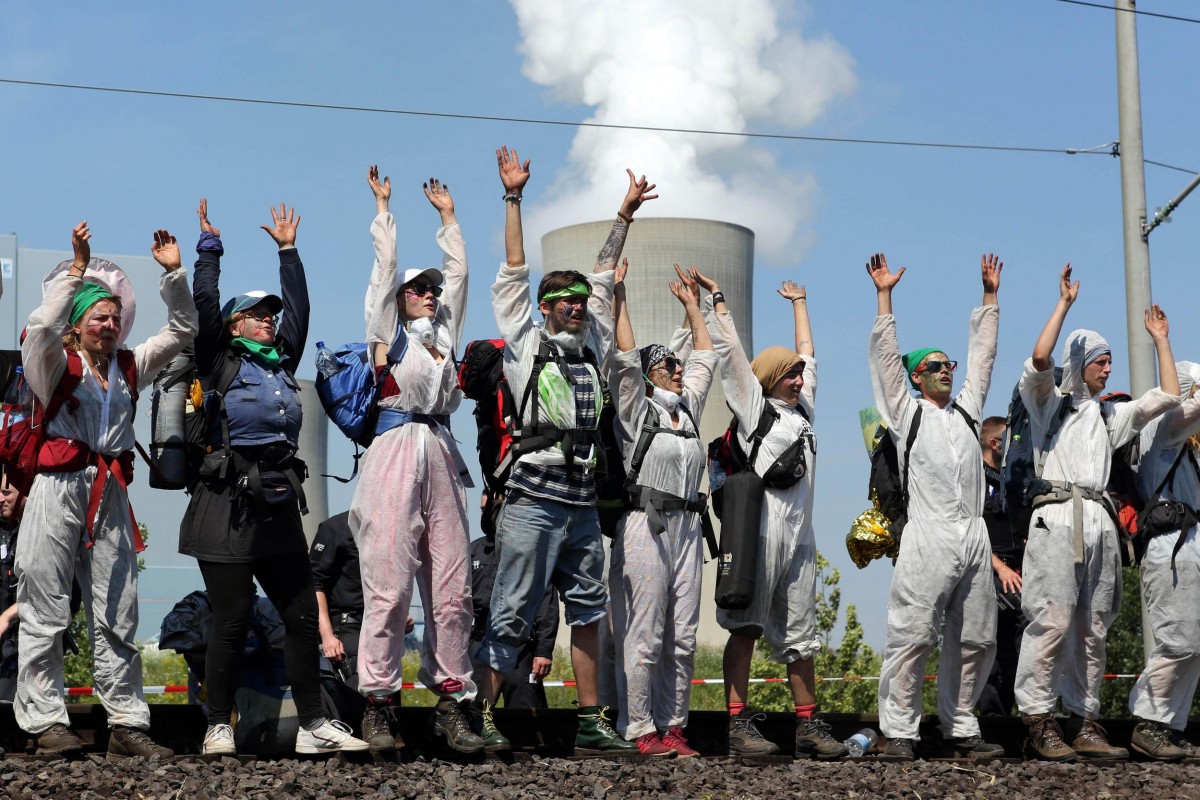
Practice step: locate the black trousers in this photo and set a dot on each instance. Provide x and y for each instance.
(999, 695)
(287, 581)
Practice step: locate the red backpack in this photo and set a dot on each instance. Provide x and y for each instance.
(22, 437)
(481, 378)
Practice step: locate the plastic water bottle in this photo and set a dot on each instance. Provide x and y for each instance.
(861, 742)
(327, 363)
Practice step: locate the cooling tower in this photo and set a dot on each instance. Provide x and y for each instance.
(721, 250)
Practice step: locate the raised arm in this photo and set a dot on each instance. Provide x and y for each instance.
(206, 292)
(687, 291)
(625, 340)
(513, 175)
(156, 352)
(379, 304)
(889, 380)
(712, 287)
(1156, 325)
(293, 286)
(452, 308)
(1043, 349)
(798, 297)
(42, 351)
(884, 280)
(983, 337)
(637, 193)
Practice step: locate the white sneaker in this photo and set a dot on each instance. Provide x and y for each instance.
(218, 741)
(331, 736)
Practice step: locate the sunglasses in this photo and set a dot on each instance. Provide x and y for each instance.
(422, 289)
(934, 367)
(668, 365)
(260, 314)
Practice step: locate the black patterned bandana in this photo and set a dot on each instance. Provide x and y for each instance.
(652, 354)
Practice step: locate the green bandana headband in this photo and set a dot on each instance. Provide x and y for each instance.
(267, 352)
(913, 360)
(86, 297)
(577, 289)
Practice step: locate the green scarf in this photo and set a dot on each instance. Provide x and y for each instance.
(87, 296)
(269, 353)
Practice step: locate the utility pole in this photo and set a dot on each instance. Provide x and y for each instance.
(1133, 211)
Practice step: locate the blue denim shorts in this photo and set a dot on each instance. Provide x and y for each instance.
(542, 542)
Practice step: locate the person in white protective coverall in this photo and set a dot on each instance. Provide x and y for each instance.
(654, 575)
(549, 529)
(409, 512)
(780, 382)
(1072, 577)
(78, 522)
(1170, 471)
(944, 569)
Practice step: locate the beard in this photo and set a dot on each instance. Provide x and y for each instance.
(573, 342)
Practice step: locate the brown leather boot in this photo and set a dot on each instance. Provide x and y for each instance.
(125, 742)
(1045, 738)
(58, 738)
(1093, 743)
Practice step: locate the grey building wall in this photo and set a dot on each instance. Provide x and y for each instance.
(721, 250)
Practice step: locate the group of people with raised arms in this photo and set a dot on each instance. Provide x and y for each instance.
(408, 518)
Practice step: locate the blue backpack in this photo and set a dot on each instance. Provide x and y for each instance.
(350, 396)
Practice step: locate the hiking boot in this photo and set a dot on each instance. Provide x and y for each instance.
(651, 746)
(813, 740)
(331, 736)
(1153, 740)
(493, 740)
(218, 741)
(1093, 743)
(971, 747)
(1179, 740)
(58, 738)
(1045, 738)
(596, 736)
(377, 729)
(673, 739)
(450, 722)
(900, 748)
(744, 738)
(125, 742)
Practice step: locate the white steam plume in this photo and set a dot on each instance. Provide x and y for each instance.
(699, 64)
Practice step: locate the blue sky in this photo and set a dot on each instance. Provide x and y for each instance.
(1033, 73)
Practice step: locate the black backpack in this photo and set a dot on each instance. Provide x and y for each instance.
(888, 484)
(725, 455)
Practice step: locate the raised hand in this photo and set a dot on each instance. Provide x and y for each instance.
(791, 292)
(205, 225)
(1067, 292)
(166, 251)
(1156, 323)
(883, 279)
(622, 270)
(81, 236)
(989, 268)
(708, 284)
(283, 229)
(680, 291)
(637, 193)
(688, 280)
(439, 196)
(513, 174)
(382, 191)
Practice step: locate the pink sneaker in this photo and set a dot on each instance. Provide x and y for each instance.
(673, 739)
(652, 746)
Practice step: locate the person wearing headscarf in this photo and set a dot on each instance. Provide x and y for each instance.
(943, 571)
(1170, 471)
(1071, 587)
(654, 571)
(409, 513)
(243, 522)
(78, 522)
(780, 382)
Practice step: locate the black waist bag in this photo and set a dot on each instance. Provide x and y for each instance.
(789, 468)
(737, 564)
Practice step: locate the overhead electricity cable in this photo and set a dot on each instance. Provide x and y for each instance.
(554, 122)
(1139, 12)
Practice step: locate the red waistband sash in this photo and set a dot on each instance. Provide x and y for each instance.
(68, 455)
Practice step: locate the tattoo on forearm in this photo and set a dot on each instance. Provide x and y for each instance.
(612, 248)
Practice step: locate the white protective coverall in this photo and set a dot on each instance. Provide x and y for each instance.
(654, 577)
(54, 540)
(409, 513)
(1164, 691)
(1070, 602)
(944, 570)
(784, 607)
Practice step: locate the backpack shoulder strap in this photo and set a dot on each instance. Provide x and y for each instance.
(1065, 408)
(645, 439)
(909, 441)
(128, 366)
(64, 392)
(972, 423)
(1169, 479)
(766, 421)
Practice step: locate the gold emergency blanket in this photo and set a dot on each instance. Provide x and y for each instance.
(869, 538)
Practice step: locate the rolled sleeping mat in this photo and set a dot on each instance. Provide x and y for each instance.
(737, 566)
(168, 444)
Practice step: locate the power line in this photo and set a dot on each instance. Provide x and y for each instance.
(1102, 150)
(1130, 11)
